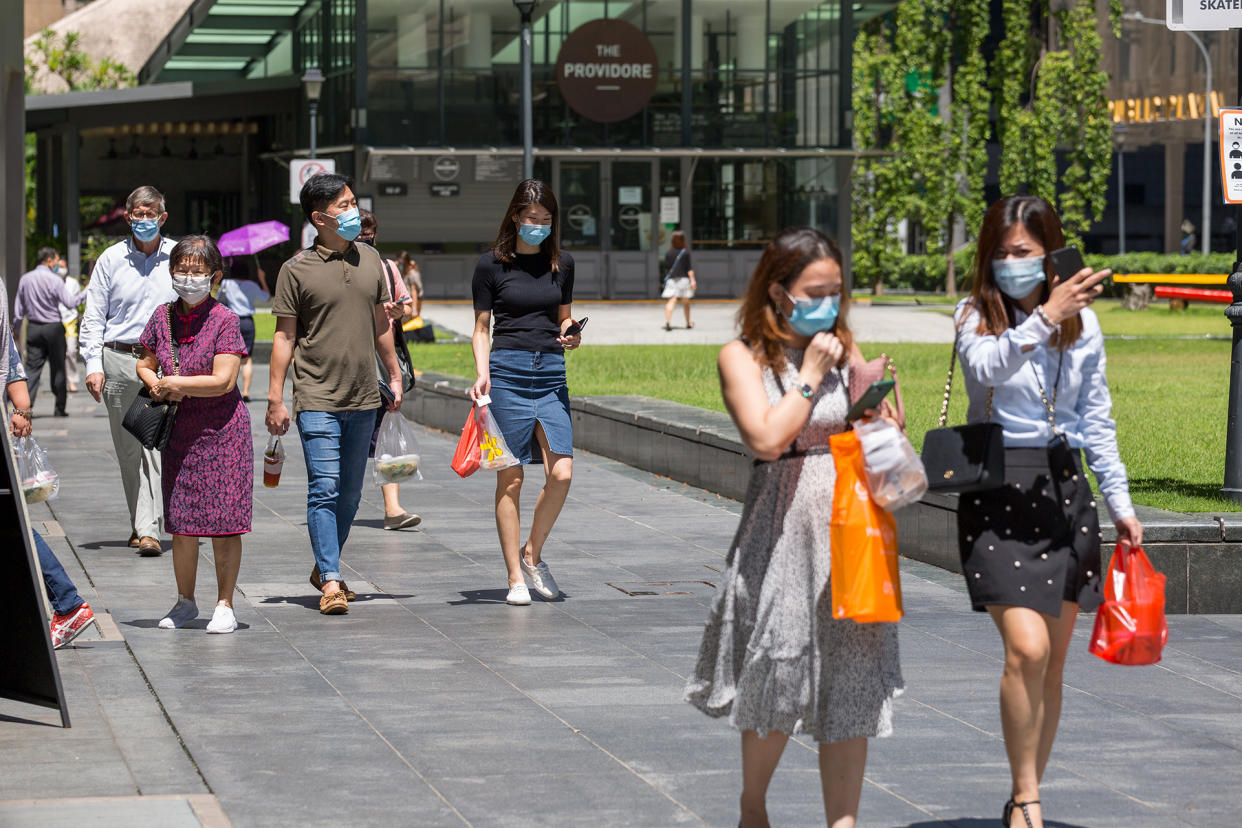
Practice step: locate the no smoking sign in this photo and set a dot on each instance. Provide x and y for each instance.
(302, 169)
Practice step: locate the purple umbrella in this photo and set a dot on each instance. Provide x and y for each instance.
(252, 238)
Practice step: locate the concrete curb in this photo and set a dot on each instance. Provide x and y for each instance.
(1199, 554)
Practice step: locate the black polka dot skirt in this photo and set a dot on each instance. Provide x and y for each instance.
(1035, 541)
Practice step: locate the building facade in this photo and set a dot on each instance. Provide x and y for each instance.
(743, 127)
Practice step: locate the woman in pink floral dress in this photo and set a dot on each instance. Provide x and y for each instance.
(208, 466)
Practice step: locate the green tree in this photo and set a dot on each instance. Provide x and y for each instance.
(61, 55)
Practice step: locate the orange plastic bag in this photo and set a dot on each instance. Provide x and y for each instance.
(466, 459)
(1130, 627)
(866, 584)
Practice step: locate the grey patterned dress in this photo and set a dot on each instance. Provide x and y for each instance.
(772, 657)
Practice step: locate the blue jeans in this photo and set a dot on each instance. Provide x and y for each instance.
(335, 444)
(60, 590)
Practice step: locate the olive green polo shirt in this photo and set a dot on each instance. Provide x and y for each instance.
(333, 297)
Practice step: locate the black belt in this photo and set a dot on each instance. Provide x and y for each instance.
(125, 348)
(792, 453)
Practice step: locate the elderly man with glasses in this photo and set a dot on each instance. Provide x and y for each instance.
(130, 281)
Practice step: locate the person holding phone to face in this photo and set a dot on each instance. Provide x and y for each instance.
(773, 659)
(1033, 358)
(525, 286)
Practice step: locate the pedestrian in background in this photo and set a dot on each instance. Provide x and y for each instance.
(413, 279)
(195, 345)
(1033, 358)
(42, 296)
(525, 283)
(71, 615)
(679, 282)
(773, 659)
(331, 309)
(69, 318)
(129, 282)
(244, 284)
(400, 309)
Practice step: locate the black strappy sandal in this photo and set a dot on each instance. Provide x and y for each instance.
(1008, 812)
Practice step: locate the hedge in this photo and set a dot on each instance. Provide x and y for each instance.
(926, 274)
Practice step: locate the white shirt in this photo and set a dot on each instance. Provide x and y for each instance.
(126, 287)
(68, 315)
(239, 295)
(1083, 403)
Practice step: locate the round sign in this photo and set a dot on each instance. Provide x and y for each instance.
(446, 167)
(313, 168)
(578, 216)
(607, 70)
(627, 217)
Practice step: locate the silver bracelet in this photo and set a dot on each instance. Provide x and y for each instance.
(1039, 309)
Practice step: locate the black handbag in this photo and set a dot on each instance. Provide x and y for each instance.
(965, 458)
(151, 421)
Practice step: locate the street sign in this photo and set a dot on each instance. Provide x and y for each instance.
(1231, 154)
(301, 169)
(1203, 15)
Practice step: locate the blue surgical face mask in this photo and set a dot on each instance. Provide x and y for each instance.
(1018, 277)
(146, 229)
(349, 224)
(810, 316)
(534, 234)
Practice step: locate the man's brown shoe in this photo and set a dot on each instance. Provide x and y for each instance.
(317, 583)
(133, 540)
(334, 603)
(150, 548)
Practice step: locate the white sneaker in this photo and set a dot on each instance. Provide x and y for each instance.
(222, 620)
(182, 613)
(518, 595)
(541, 579)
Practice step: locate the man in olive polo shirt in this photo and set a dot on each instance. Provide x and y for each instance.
(331, 318)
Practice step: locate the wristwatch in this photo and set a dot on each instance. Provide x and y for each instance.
(806, 390)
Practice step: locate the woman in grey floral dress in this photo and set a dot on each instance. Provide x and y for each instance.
(773, 659)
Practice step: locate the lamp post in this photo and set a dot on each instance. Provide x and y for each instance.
(312, 83)
(1206, 229)
(526, 8)
(1119, 140)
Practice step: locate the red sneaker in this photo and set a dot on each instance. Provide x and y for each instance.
(67, 627)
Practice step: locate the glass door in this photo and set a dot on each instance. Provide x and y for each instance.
(630, 257)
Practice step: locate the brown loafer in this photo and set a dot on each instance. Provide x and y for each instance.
(317, 583)
(150, 548)
(334, 603)
(133, 540)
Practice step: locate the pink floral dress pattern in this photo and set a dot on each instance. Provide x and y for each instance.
(208, 467)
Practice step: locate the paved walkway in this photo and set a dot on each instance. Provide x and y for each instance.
(642, 323)
(432, 703)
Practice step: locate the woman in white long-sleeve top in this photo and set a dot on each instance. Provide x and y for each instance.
(1033, 360)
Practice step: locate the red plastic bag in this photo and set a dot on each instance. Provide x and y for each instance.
(866, 584)
(466, 458)
(1130, 627)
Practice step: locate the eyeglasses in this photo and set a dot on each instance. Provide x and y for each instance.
(144, 214)
(193, 274)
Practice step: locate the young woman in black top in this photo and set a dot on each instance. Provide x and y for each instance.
(525, 284)
(679, 282)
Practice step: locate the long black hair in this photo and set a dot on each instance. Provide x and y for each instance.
(530, 192)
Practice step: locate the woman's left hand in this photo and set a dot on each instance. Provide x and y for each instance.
(167, 389)
(884, 412)
(569, 343)
(1129, 530)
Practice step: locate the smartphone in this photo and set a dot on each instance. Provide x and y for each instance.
(1066, 262)
(871, 398)
(576, 328)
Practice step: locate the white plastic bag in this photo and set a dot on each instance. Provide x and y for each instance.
(895, 474)
(493, 450)
(39, 480)
(396, 451)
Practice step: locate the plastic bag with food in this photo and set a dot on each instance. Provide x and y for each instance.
(39, 480)
(396, 451)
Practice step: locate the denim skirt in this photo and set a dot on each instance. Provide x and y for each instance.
(528, 387)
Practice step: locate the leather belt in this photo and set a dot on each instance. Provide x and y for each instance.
(125, 348)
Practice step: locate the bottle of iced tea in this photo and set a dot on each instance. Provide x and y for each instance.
(273, 462)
